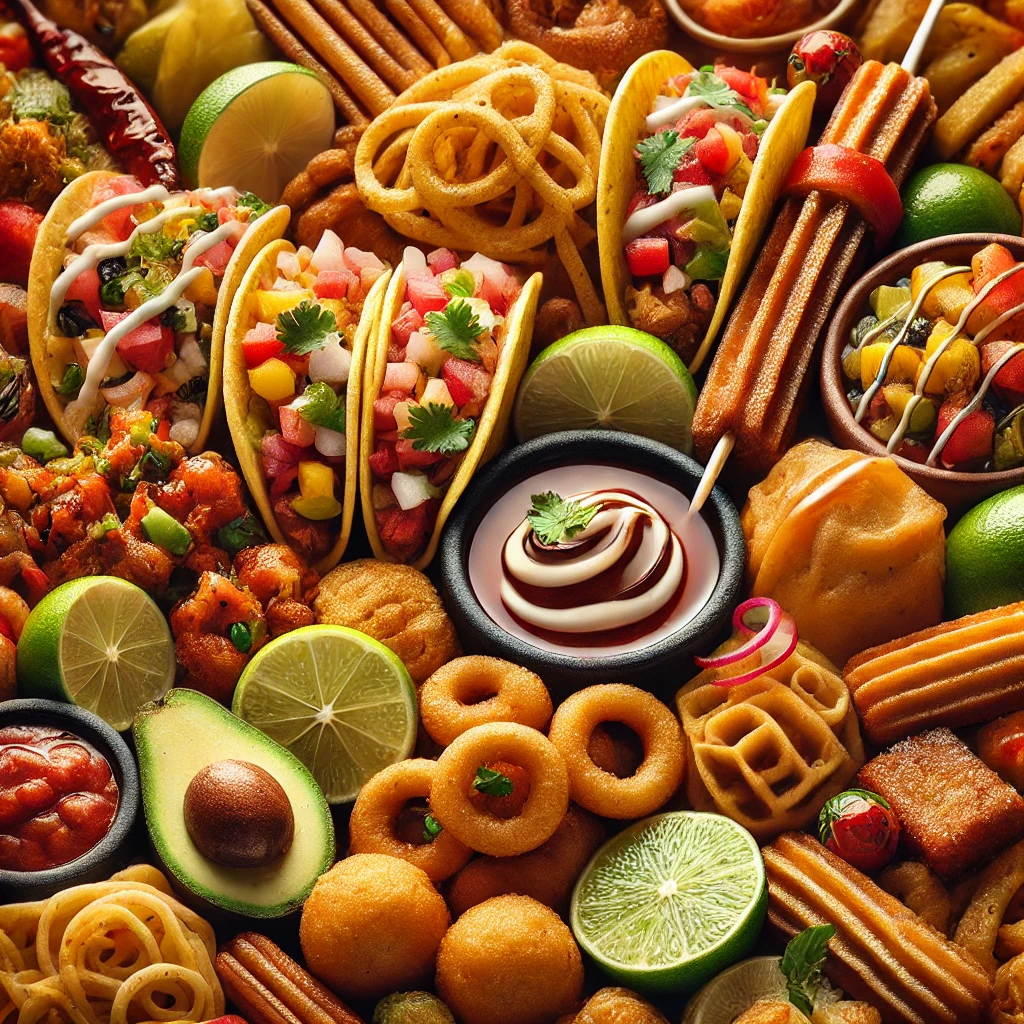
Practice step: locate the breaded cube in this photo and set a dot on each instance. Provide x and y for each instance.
(955, 813)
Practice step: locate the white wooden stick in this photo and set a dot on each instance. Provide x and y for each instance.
(920, 40)
(712, 470)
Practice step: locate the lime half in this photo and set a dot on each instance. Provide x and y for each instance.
(671, 901)
(99, 642)
(613, 377)
(735, 991)
(337, 699)
(256, 127)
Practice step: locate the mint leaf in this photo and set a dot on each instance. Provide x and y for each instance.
(455, 330)
(306, 327)
(492, 783)
(554, 520)
(802, 963)
(434, 428)
(659, 157)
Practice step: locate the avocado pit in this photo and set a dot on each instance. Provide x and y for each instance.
(238, 815)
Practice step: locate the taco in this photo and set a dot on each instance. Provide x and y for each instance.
(452, 342)
(296, 344)
(129, 292)
(692, 164)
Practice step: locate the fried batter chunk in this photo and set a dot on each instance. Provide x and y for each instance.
(680, 319)
(282, 582)
(31, 156)
(204, 493)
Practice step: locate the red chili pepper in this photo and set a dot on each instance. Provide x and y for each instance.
(857, 178)
(129, 129)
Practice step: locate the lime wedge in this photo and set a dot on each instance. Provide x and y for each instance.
(614, 377)
(99, 642)
(735, 990)
(671, 901)
(337, 699)
(256, 127)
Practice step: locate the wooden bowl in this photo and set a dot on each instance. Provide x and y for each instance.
(957, 491)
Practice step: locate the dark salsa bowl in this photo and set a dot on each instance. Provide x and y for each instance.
(660, 665)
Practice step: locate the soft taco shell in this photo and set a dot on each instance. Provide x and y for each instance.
(783, 140)
(246, 436)
(492, 425)
(48, 262)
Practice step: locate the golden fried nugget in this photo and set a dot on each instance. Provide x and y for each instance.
(394, 604)
(618, 1006)
(955, 813)
(771, 1012)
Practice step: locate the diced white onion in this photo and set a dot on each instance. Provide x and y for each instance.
(412, 489)
(331, 363)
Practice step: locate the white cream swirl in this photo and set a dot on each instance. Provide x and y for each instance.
(643, 575)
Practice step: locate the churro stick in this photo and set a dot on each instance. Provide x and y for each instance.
(477, 20)
(451, 36)
(390, 38)
(337, 54)
(419, 31)
(292, 48)
(352, 31)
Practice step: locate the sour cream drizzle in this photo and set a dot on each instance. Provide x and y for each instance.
(612, 529)
(639, 222)
(673, 111)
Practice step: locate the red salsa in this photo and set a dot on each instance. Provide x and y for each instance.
(57, 797)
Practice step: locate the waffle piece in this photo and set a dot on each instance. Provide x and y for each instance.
(954, 674)
(882, 952)
(769, 753)
(955, 813)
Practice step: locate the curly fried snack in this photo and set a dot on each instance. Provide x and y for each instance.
(500, 152)
(474, 690)
(373, 827)
(493, 743)
(980, 925)
(919, 889)
(394, 604)
(1007, 1005)
(661, 770)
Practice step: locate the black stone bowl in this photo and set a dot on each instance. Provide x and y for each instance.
(99, 862)
(661, 667)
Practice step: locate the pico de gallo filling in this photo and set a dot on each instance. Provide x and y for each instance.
(445, 345)
(692, 170)
(131, 314)
(936, 371)
(298, 356)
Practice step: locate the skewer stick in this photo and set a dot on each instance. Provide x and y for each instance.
(711, 472)
(920, 40)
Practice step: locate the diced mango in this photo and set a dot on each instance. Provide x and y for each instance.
(203, 289)
(946, 299)
(957, 369)
(316, 492)
(306, 279)
(271, 304)
(903, 366)
(731, 204)
(273, 380)
(402, 415)
(886, 300)
(339, 307)
(436, 392)
(922, 419)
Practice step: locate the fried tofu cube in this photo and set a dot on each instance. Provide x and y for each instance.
(955, 813)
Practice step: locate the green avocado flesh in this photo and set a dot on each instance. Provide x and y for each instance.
(182, 733)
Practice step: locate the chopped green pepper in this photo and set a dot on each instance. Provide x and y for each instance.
(162, 528)
(43, 445)
(241, 636)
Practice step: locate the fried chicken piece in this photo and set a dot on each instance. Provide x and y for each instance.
(555, 319)
(74, 511)
(133, 558)
(282, 582)
(618, 1006)
(203, 493)
(989, 148)
(314, 538)
(955, 813)
(31, 156)
(680, 319)
(207, 558)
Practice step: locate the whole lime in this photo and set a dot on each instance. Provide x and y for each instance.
(985, 555)
(946, 199)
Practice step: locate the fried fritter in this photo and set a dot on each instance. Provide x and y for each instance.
(31, 156)
(618, 1006)
(681, 318)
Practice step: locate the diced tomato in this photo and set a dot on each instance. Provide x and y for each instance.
(647, 256)
(695, 124)
(384, 461)
(971, 443)
(299, 364)
(333, 284)
(640, 201)
(404, 532)
(146, 347)
(468, 384)
(425, 294)
(19, 225)
(384, 412)
(163, 430)
(691, 171)
(410, 458)
(913, 450)
(499, 285)
(402, 329)
(118, 223)
(86, 289)
(987, 264)
(216, 258)
(713, 152)
(260, 344)
(441, 260)
(750, 144)
(158, 406)
(278, 455)
(294, 429)
(1008, 383)
(753, 89)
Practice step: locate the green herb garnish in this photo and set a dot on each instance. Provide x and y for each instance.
(244, 531)
(455, 329)
(659, 157)
(459, 283)
(431, 828)
(255, 204)
(554, 520)
(802, 963)
(434, 428)
(38, 97)
(100, 529)
(706, 84)
(155, 247)
(207, 222)
(306, 328)
(320, 406)
(74, 377)
(492, 783)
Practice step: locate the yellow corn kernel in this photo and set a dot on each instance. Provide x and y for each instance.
(203, 289)
(273, 380)
(903, 366)
(271, 304)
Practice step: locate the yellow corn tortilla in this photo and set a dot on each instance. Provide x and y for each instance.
(781, 143)
(491, 426)
(48, 262)
(246, 436)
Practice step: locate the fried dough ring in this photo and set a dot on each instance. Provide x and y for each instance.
(381, 800)
(661, 771)
(545, 806)
(979, 927)
(475, 690)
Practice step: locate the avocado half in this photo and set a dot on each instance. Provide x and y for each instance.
(185, 731)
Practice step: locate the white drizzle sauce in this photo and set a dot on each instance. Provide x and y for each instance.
(673, 111)
(92, 217)
(639, 222)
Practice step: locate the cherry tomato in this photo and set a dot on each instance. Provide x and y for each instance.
(827, 58)
(860, 827)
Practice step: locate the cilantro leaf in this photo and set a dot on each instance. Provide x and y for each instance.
(244, 531)
(320, 406)
(706, 84)
(554, 520)
(207, 222)
(72, 381)
(455, 329)
(434, 428)
(492, 783)
(802, 963)
(458, 283)
(659, 157)
(306, 327)
(432, 828)
(155, 247)
(255, 204)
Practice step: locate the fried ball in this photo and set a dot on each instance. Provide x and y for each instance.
(473, 690)
(618, 1006)
(475, 823)
(411, 1008)
(383, 822)
(394, 604)
(600, 791)
(546, 874)
(510, 960)
(372, 925)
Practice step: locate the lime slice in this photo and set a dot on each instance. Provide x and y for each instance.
(671, 901)
(735, 990)
(337, 699)
(256, 127)
(614, 377)
(99, 642)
